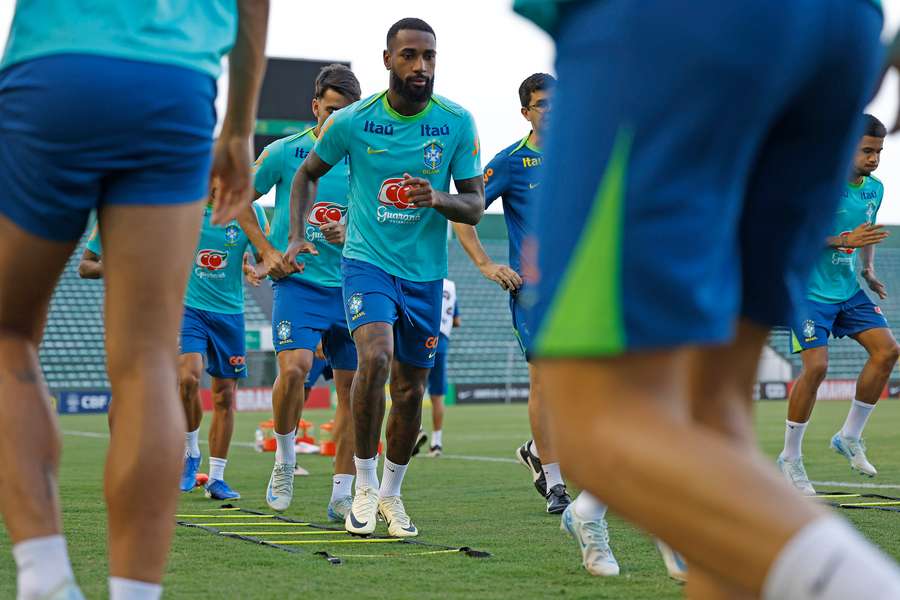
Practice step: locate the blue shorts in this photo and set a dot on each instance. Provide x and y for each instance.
(304, 313)
(80, 131)
(816, 320)
(319, 368)
(700, 181)
(520, 324)
(437, 378)
(219, 337)
(413, 308)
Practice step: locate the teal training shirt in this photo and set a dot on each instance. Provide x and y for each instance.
(834, 277)
(188, 33)
(438, 143)
(276, 166)
(216, 283)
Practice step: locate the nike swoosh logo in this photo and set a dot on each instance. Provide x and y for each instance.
(372, 150)
(432, 355)
(356, 523)
(531, 186)
(410, 529)
(390, 469)
(821, 582)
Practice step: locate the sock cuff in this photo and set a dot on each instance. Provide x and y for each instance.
(388, 461)
(796, 424)
(826, 531)
(863, 405)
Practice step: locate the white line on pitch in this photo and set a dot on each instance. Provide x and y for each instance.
(862, 484)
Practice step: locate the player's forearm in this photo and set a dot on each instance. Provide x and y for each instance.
(469, 240)
(464, 207)
(303, 195)
(836, 241)
(247, 221)
(867, 256)
(246, 66)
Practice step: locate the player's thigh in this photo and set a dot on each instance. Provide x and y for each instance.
(339, 348)
(296, 359)
(29, 269)
(803, 162)
(878, 341)
(815, 360)
(223, 390)
(408, 381)
(644, 177)
(864, 321)
(146, 279)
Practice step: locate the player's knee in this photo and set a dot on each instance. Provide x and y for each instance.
(223, 399)
(375, 363)
(815, 370)
(887, 357)
(188, 382)
(293, 376)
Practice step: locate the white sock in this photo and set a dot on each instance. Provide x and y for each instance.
(192, 443)
(552, 474)
(366, 472)
(793, 440)
(588, 508)
(284, 448)
(43, 565)
(856, 419)
(131, 589)
(829, 560)
(217, 468)
(532, 447)
(341, 485)
(436, 437)
(391, 478)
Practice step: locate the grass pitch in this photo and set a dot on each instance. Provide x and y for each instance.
(460, 499)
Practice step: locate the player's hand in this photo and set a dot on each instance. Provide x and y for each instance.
(231, 173)
(420, 193)
(507, 278)
(289, 261)
(335, 232)
(253, 273)
(866, 234)
(272, 261)
(320, 353)
(874, 284)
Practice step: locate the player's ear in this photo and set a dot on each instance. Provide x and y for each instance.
(386, 55)
(524, 111)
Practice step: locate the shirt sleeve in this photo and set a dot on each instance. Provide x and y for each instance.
(334, 140)
(466, 162)
(878, 201)
(93, 243)
(496, 178)
(267, 168)
(263, 224)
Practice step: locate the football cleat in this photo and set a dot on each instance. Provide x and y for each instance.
(189, 473)
(338, 509)
(795, 473)
(855, 452)
(533, 464)
(593, 541)
(280, 490)
(557, 499)
(394, 513)
(363, 512)
(435, 451)
(676, 566)
(420, 441)
(217, 489)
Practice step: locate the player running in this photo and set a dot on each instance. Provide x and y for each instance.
(404, 145)
(837, 306)
(514, 175)
(123, 124)
(682, 207)
(213, 327)
(307, 305)
(437, 378)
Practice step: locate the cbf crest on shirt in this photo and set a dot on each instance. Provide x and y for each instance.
(437, 144)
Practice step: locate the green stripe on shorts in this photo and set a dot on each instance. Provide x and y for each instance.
(585, 315)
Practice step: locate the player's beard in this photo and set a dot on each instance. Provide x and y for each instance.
(409, 92)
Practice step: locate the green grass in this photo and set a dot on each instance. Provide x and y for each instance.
(487, 505)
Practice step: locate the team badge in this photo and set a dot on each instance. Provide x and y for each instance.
(355, 304)
(283, 331)
(232, 233)
(433, 155)
(809, 330)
